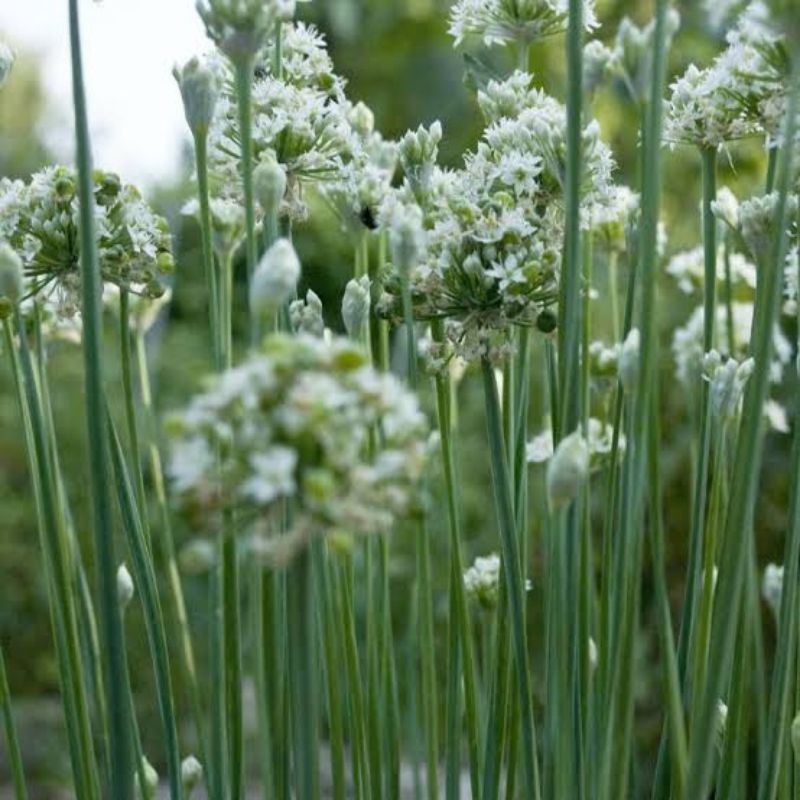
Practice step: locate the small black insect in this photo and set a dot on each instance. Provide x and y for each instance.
(368, 218)
(260, 73)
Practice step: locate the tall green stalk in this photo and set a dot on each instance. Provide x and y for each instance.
(12, 742)
(106, 566)
(512, 577)
(747, 463)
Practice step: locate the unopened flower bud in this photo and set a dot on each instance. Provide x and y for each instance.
(191, 774)
(239, 28)
(275, 279)
(305, 316)
(567, 470)
(759, 222)
(482, 581)
(406, 237)
(11, 281)
(269, 184)
(124, 587)
(418, 153)
(6, 63)
(728, 381)
(355, 306)
(199, 86)
(362, 119)
(772, 587)
(721, 723)
(628, 361)
(593, 656)
(726, 208)
(148, 791)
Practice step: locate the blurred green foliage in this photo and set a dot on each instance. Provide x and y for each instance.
(398, 58)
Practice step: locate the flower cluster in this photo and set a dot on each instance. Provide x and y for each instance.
(299, 119)
(599, 441)
(494, 229)
(688, 269)
(296, 422)
(39, 219)
(519, 21)
(741, 94)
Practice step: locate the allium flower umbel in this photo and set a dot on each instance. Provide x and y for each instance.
(524, 21)
(39, 219)
(494, 229)
(239, 28)
(295, 422)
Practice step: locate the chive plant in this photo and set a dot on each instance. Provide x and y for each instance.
(309, 458)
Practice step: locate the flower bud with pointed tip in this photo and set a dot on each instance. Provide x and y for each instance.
(191, 774)
(721, 723)
(275, 278)
(567, 470)
(6, 63)
(628, 361)
(148, 791)
(355, 306)
(239, 28)
(125, 587)
(269, 185)
(199, 86)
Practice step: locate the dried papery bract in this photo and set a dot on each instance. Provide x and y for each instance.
(305, 316)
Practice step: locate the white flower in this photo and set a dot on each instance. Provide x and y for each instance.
(628, 363)
(294, 421)
(726, 207)
(688, 269)
(482, 580)
(305, 316)
(727, 381)
(191, 774)
(11, 277)
(776, 416)
(502, 21)
(540, 448)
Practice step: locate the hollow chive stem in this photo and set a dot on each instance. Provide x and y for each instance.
(12, 741)
(512, 577)
(106, 565)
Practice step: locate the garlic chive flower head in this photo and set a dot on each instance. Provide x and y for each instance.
(772, 587)
(519, 21)
(726, 207)
(275, 278)
(124, 587)
(305, 316)
(199, 84)
(191, 774)
(355, 306)
(494, 229)
(728, 380)
(239, 28)
(11, 281)
(6, 63)
(631, 57)
(597, 60)
(758, 222)
(567, 470)
(39, 219)
(227, 224)
(688, 269)
(293, 422)
(482, 581)
(299, 120)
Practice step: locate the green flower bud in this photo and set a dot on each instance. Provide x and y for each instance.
(6, 63)
(275, 279)
(269, 184)
(355, 306)
(239, 28)
(125, 588)
(567, 470)
(199, 87)
(11, 280)
(191, 774)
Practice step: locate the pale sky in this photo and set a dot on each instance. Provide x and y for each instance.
(129, 47)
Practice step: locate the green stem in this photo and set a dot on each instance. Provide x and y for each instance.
(303, 683)
(106, 565)
(512, 577)
(233, 657)
(244, 90)
(12, 742)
